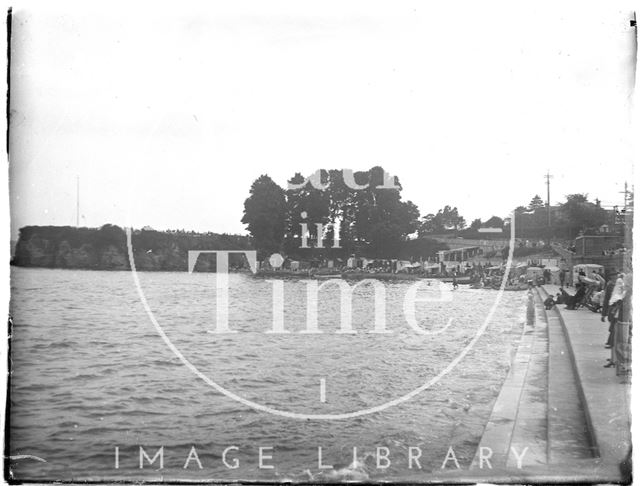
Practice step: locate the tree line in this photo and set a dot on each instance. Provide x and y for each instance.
(373, 220)
(576, 215)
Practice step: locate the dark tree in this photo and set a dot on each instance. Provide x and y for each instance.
(446, 219)
(372, 220)
(306, 204)
(536, 203)
(494, 222)
(265, 215)
(578, 214)
(382, 220)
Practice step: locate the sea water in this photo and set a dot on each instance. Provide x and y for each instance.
(95, 388)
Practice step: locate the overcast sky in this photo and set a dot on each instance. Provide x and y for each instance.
(168, 115)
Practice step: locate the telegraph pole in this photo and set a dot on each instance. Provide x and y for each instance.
(548, 179)
(626, 195)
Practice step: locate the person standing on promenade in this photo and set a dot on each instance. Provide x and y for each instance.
(618, 292)
(615, 307)
(608, 289)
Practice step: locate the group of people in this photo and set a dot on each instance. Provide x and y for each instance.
(593, 292)
(590, 293)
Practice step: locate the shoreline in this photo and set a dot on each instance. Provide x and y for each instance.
(344, 276)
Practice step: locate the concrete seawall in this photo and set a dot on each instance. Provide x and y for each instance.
(605, 396)
(560, 414)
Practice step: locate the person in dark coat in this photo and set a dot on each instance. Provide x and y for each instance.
(573, 301)
(579, 295)
(549, 303)
(606, 308)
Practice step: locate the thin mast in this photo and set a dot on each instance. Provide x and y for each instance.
(548, 178)
(77, 201)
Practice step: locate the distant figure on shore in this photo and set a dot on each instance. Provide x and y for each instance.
(572, 301)
(549, 303)
(581, 276)
(579, 295)
(455, 282)
(567, 299)
(562, 277)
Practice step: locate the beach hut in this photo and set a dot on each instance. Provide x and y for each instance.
(403, 266)
(415, 267)
(431, 268)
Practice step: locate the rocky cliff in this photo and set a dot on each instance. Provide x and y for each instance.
(105, 248)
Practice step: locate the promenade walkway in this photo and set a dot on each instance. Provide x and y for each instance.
(559, 403)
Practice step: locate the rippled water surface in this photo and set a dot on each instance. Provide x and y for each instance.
(92, 374)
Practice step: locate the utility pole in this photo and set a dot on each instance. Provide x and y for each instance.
(548, 178)
(626, 195)
(77, 201)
